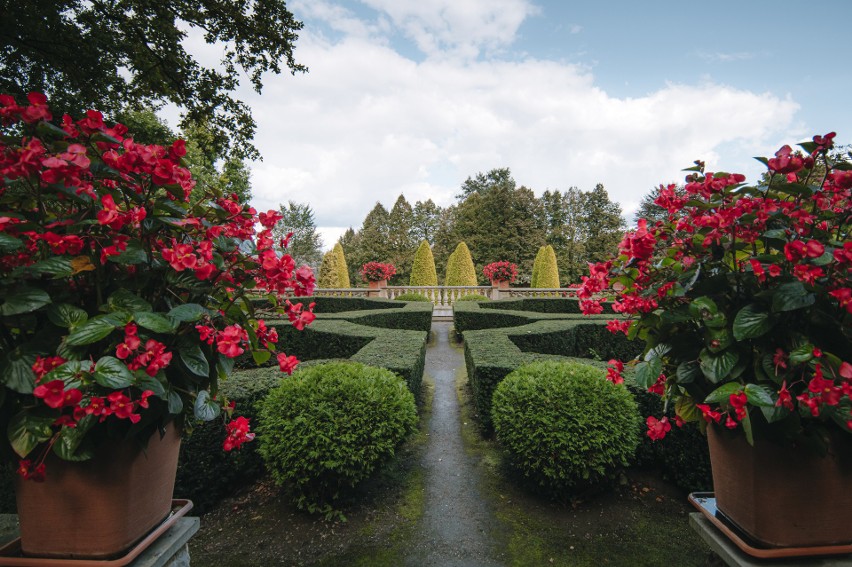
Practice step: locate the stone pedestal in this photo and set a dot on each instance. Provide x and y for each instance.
(170, 550)
(734, 557)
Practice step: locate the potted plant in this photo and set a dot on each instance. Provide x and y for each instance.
(377, 274)
(501, 274)
(743, 298)
(122, 307)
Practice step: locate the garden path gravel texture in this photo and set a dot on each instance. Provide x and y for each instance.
(458, 525)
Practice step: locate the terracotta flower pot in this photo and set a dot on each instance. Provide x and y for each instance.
(500, 284)
(780, 496)
(98, 508)
(377, 284)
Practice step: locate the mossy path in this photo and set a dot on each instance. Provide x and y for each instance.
(459, 525)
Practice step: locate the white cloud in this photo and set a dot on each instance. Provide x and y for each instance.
(367, 123)
(462, 27)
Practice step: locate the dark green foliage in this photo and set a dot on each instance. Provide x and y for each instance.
(682, 455)
(473, 297)
(515, 312)
(543, 305)
(564, 426)
(330, 426)
(411, 296)
(580, 337)
(206, 473)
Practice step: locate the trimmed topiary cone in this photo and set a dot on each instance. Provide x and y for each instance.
(423, 269)
(548, 273)
(536, 267)
(460, 269)
(343, 274)
(328, 277)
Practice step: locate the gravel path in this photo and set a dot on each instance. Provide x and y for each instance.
(458, 526)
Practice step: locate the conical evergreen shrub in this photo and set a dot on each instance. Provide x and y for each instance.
(343, 274)
(328, 276)
(548, 272)
(423, 269)
(536, 267)
(460, 269)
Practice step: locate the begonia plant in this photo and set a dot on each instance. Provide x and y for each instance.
(377, 271)
(501, 271)
(122, 306)
(743, 298)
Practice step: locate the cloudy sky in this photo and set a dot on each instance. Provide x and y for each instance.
(414, 96)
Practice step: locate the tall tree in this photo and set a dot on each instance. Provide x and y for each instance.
(112, 55)
(483, 182)
(401, 244)
(603, 227)
(425, 221)
(372, 241)
(306, 243)
(652, 212)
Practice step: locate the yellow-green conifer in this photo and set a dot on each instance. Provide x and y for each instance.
(460, 269)
(423, 269)
(342, 267)
(548, 273)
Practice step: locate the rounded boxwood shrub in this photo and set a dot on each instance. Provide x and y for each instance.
(329, 426)
(564, 426)
(411, 296)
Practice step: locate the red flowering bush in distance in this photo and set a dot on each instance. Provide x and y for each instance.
(743, 297)
(501, 271)
(121, 306)
(376, 271)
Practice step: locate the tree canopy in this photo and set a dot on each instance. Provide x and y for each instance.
(306, 243)
(110, 55)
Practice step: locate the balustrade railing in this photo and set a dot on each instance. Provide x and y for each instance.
(445, 296)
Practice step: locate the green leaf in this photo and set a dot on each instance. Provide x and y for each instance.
(69, 372)
(175, 403)
(188, 312)
(24, 300)
(773, 414)
(719, 339)
(26, 431)
(9, 243)
(688, 371)
(776, 234)
(716, 367)
(134, 254)
(796, 189)
(224, 366)
(802, 354)
(66, 315)
(125, 300)
(751, 322)
(647, 372)
(145, 382)
(154, 322)
(194, 359)
(91, 331)
(58, 267)
(791, 296)
(206, 409)
(759, 395)
(16, 372)
(749, 435)
(70, 438)
(260, 356)
(723, 392)
(112, 373)
(703, 307)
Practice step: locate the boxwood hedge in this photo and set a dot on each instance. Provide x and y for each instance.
(490, 354)
(469, 316)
